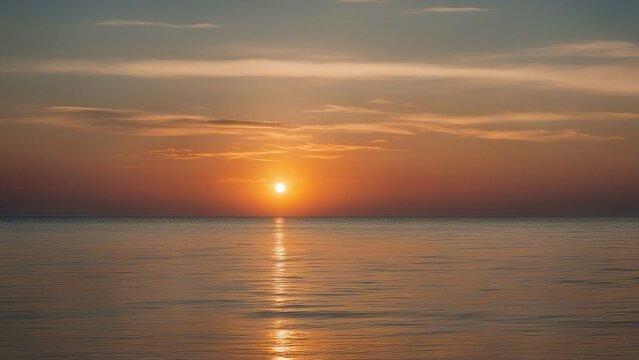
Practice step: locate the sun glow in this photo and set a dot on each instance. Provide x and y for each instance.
(280, 187)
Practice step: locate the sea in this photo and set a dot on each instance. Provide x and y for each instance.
(319, 288)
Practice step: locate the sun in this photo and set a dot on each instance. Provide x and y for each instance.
(280, 187)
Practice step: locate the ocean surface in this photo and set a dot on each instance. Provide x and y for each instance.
(319, 288)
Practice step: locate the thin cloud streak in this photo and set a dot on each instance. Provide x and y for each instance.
(520, 135)
(390, 128)
(312, 150)
(618, 79)
(329, 108)
(593, 49)
(189, 154)
(331, 148)
(238, 180)
(141, 123)
(465, 126)
(448, 10)
(481, 119)
(360, 1)
(381, 101)
(115, 22)
(523, 117)
(275, 51)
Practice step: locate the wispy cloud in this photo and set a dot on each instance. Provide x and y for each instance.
(311, 150)
(189, 154)
(238, 180)
(329, 108)
(115, 22)
(470, 125)
(136, 122)
(381, 101)
(330, 151)
(275, 51)
(447, 10)
(621, 79)
(142, 123)
(518, 135)
(594, 49)
(521, 117)
(507, 117)
(360, 1)
(367, 127)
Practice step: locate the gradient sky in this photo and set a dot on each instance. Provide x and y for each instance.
(378, 107)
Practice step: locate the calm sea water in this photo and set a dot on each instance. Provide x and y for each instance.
(319, 288)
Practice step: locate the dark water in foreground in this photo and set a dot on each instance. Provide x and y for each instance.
(319, 288)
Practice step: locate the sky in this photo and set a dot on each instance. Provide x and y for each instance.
(361, 107)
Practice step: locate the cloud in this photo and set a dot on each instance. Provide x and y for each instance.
(188, 154)
(597, 50)
(354, 127)
(323, 157)
(594, 49)
(448, 10)
(469, 125)
(237, 180)
(136, 122)
(142, 123)
(155, 24)
(274, 51)
(177, 154)
(381, 101)
(519, 135)
(619, 79)
(331, 147)
(522, 117)
(360, 1)
(347, 110)
(408, 128)
(311, 150)
(330, 151)
(508, 117)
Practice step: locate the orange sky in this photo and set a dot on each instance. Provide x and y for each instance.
(109, 110)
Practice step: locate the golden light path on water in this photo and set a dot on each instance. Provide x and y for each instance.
(281, 335)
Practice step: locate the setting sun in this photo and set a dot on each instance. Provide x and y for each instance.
(286, 179)
(280, 187)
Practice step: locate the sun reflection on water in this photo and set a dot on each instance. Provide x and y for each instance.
(281, 335)
(279, 265)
